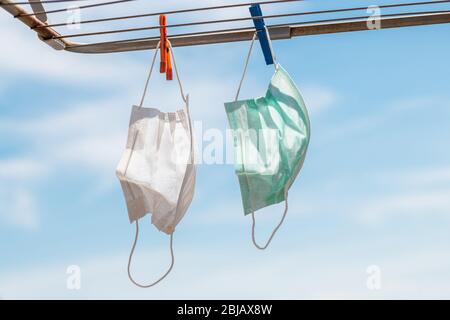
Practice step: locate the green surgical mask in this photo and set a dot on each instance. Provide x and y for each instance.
(271, 137)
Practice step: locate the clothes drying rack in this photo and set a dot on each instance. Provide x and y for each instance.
(33, 14)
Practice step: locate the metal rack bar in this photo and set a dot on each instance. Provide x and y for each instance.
(131, 17)
(277, 32)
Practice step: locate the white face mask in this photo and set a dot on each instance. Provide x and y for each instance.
(157, 170)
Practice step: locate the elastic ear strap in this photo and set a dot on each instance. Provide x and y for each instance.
(149, 75)
(274, 231)
(176, 72)
(271, 48)
(131, 257)
(246, 66)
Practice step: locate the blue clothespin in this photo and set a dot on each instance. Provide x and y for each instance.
(264, 39)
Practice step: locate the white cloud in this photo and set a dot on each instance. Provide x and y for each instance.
(428, 203)
(86, 137)
(409, 104)
(19, 208)
(411, 111)
(89, 135)
(425, 176)
(413, 192)
(21, 168)
(319, 99)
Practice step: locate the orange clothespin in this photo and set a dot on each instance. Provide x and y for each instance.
(166, 63)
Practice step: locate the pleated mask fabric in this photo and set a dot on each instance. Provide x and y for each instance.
(154, 171)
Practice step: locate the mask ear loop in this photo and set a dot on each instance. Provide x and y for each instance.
(149, 75)
(131, 257)
(275, 63)
(248, 60)
(158, 46)
(245, 67)
(274, 230)
(176, 72)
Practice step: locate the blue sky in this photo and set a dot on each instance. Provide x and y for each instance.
(374, 189)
